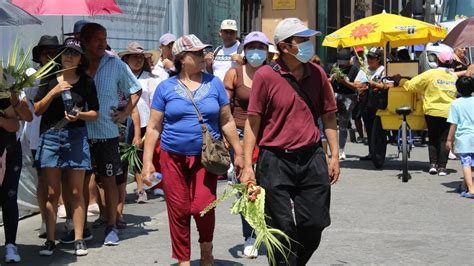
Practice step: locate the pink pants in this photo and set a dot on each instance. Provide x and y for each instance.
(188, 188)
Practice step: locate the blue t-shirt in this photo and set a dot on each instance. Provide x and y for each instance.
(181, 129)
(460, 114)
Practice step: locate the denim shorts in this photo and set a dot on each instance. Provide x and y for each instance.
(64, 148)
(467, 159)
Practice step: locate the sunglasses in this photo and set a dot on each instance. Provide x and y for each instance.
(71, 52)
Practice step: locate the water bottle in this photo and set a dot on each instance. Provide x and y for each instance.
(67, 100)
(154, 179)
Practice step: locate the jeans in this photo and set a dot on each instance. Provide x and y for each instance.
(9, 192)
(345, 105)
(300, 176)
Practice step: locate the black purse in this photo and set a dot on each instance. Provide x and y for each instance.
(377, 99)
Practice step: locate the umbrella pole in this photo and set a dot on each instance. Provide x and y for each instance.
(385, 57)
(62, 28)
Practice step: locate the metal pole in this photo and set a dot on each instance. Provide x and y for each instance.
(322, 26)
(428, 15)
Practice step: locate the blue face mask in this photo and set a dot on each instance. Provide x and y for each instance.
(305, 51)
(256, 57)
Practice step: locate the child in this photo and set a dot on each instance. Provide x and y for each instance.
(462, 130)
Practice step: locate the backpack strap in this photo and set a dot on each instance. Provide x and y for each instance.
(294, 84)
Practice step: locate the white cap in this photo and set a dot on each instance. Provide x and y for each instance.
(292, 27)
(167, 38)
(272, 49)
(229, 24)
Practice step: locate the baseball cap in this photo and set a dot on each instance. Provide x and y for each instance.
(375, 52)
(343, 56)
(73, 43)
(272, 49)
(292, 27)
(229, 24)
(446, 57)
(359, 49)
(167, 38)
(77, 27)
(256, 36)
(188, 43)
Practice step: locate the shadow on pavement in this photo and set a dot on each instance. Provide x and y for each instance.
(455, 186)
(216, 262)
(63, 254)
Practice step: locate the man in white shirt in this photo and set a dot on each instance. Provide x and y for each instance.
(218, 62)
(165, 64)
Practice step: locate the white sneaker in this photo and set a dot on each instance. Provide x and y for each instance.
(249, 250)
(11, 253)
(452, 156)
(62, 211)
(93, 208)
(342, 155)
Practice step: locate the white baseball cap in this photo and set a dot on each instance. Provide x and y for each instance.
(229, 24)
(292, 27)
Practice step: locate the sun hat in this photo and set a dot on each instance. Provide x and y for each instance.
(134, 48)
(77, 27)
(292, 27)
(256, 36)
(167, 38)
(74, 44)
(188, 43)
(45, 42)
(229, 24)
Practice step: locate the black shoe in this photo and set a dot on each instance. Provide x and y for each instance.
(48, 248)
(366, 158)
(71, 237)
(80, 247)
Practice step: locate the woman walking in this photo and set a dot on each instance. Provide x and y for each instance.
(188, 187)
(238, 82)
(65, 103)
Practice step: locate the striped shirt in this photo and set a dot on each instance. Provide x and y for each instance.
(112, 77)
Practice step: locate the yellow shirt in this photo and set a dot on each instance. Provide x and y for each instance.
(438, 87)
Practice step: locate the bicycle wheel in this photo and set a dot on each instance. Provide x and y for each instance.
(378, 143)
(404, 151)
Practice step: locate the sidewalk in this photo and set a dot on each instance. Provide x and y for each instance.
(376, 219)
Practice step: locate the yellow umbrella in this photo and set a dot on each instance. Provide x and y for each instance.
(382, 28)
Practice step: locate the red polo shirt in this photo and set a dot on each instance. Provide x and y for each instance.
(287, 122)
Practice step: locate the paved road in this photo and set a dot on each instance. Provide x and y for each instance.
(376, 219)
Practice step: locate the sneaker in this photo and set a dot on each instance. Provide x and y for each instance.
(111, 236)
(94, 208)
(121, 223)
(249, 250)
(70, 237)
(433, 169)
(142, 197)
(11, 253)
(158, 192)
(342, 156)
(80, 247)
(442, 171)
(62, 211)
(99, 222)
(452, 156)
(68, 226)
(42, 231)
(48, 248)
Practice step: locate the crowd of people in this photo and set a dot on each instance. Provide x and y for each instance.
(243, 92)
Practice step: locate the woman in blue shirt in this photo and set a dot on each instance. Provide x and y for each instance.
(188, 187)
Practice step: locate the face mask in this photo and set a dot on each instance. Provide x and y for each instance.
(305, 52)
(256, 57)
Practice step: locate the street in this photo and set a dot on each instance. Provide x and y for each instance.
(376, 219)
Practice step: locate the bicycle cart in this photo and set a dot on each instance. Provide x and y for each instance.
(404, 113)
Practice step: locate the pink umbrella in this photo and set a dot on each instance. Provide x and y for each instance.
(64, 7)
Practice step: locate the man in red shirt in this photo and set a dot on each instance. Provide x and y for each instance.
(292, 166)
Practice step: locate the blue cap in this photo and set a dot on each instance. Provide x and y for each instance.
(78, 27)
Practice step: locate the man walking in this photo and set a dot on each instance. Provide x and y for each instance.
(112, 77)
(285, 102)
(220, 61)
